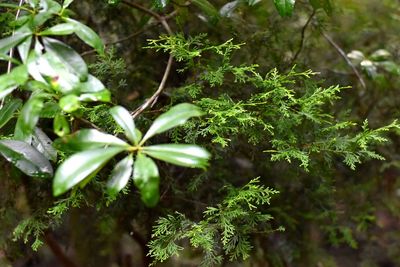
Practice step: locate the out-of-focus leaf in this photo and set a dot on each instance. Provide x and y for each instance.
(87, 35)
(28, 118)
(88, 139)
(69, 103)
(356, 56)
(228, 9)
(66, 3)
(208, 9)
(103, 96)
(68, 56)
(326, 5)
(380, 55)
(59, 29)
(9, 42)
(285, 7)
(23, 49)
(43, 144)
(26, 158)
(92, 85)
(8, 82)
(176, 116)
(124, 119)
(79, 166)
(160, 4)
(47, 8)
(179, 154)
(120, 175)
(147, 179)
(61, 125)
(8, 110)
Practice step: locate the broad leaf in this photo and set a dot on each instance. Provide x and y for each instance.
(8, 110)
(43, 144)
(10, 81)
(124, 119)
(68, 56)
(9, 42)
(59, 29)
(179, 154)
(284, 7)
(28, 118)
(88, 139)
(61, 125)
(87, 35)
(69, 103)
(103, 96)
(26, 158)
(120, 175)
(66, 3)
(79, 166)
(147, 179)
(176, 116)
(92, 85)
(23, 49)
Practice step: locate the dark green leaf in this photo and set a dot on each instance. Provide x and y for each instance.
(61, 125)
(88, 139)
(160, 4)
(103, 96)
(69, 103)
(60, 29)
(147, 179)
(208, 9)
(87, 35)
(44, 144)
(79, 166)
(8, 82)
(26, 158)
(48, 8)
(68, 56)
(124, 119)
(9, 42)
(28, 118)
(284, 7)
(8, 110)
(23, 49)
(176, 116)
(179, 154)
(120, 175)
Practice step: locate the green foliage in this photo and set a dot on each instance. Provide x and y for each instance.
(227, 226)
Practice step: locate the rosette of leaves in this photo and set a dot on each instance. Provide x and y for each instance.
(95, 149)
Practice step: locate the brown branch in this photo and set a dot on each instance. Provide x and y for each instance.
(345, 57)
(303, 33)
(58, 251)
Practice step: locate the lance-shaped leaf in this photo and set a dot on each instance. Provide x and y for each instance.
(177, 115)
(284, 7)
(79, 166)
(7, 43)
(88, 139)
(124, 119)
(44, 144)
(120, 175)
(28, 118)
(208, 9)
(68, 56)
(23, 49)
(147, 179)
(61, 125)
(8, 110)
(47, 10)
(59, 29)
(103, 96)
(8, 82)
(26, 158)
(179, 154)
(87, 35)
(66, 3)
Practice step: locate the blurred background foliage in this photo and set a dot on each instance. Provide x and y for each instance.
(333, 216)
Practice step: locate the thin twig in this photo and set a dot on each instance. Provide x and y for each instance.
(303, 33)
(11, 54)
(345, 57)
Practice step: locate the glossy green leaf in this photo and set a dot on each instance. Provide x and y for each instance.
(103, 96)
(79, 166)
(28, 118)
(8, 110)
(59, 29)
(26, 158)
(160, 4)
(68, 56)
(284, 7)
(176, 116)
(88, 139)
(8, 82)
(147, 179)
(120, 175)
(69, 103)
(47, 9)
(9, 42)
(23, 49)
(92, 85)
(87, 35)
(179, 154)
(43, 144)
(66, 3)
(61, 125)
(125, 121)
